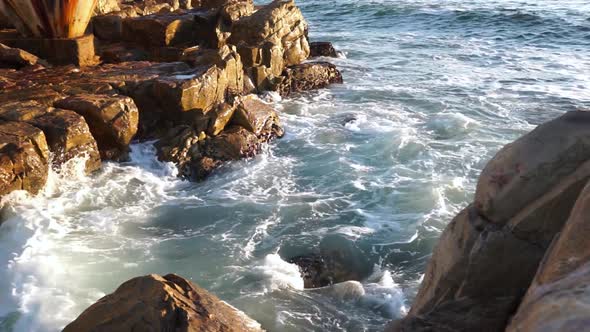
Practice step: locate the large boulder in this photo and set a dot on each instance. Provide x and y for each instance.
(156, 303)
(488, 255)
(270, 39)
(309, 76)
(24, 157)
(559, 297)
(113, 121)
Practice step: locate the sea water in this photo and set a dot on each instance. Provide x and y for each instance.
(433, 89)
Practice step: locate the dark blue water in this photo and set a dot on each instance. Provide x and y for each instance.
(381, 164)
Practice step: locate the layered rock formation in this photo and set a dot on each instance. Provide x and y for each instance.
(488, 255)
(182, 72)
(156, 303)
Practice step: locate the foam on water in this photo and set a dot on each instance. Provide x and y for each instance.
(432, 90)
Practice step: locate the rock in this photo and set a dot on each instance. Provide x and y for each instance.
(160, 30)
(106, 6)
(270, 39)
(234, 143)
(113, 121)
(17, 58)
(510, 180)
(322, 49)
(557, 300)
(220, 117)
(179, 146)
(338, 260)
(110, 27)
(155, 303)
(24, 158)
(309, 76)
(488, 255)
(258, 117)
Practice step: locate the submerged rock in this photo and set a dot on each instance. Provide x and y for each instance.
(488, 255)
(338, 260)
(155, 303)
(325, 49)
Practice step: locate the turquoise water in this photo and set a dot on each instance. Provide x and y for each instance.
(381, 163)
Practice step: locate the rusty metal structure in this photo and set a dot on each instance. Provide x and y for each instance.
(49, 18)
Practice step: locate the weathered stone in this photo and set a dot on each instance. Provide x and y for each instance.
(106, 6)
(558, 298)
(17, 58)
(113, 121)
(77, 51)
(325, 49)
(257, 117)
(309, 76)
(488, 255)
(110, 27)
(68, 137)
(155, 303)
(179, 146)
(553, 150)
(270, 39)
(120, 52)
(24, 158)
(160, 30)
(234, 143)
(220, 118)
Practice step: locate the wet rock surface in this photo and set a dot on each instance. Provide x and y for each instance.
(24, 157)
(488, 256)
(309, 76)
(156, 303)
(325, 49)
(336, 260)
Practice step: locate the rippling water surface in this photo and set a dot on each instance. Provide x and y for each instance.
(433, 89)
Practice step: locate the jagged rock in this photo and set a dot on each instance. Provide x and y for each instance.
(488, 255)
(113, 121)
(179, 146)
(17, 58)
(155, 303)
(558, 298)
(24, 158)
(106, 6)
(257, 117)
(309, 76)
(270, 39)
(66, 132)
(322, 49)
(220, 117)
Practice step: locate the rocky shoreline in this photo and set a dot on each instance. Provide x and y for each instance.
(184, 74)
(189, 75)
